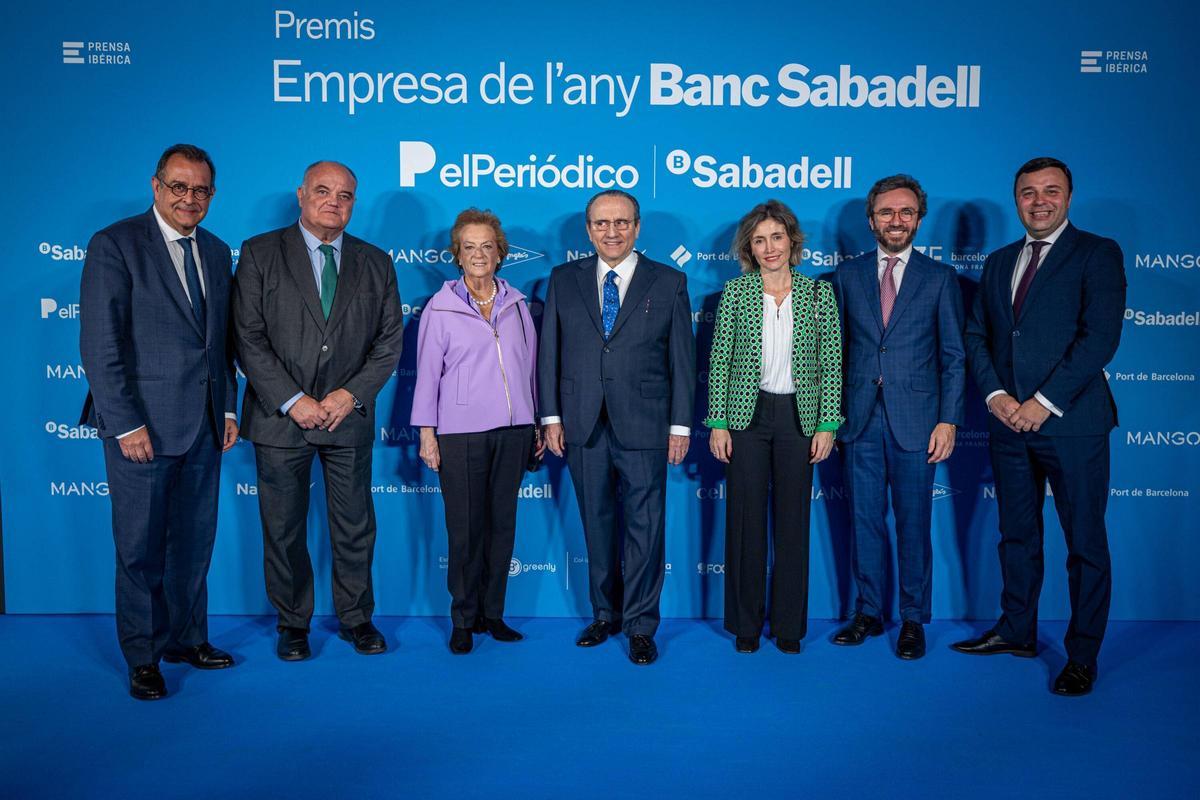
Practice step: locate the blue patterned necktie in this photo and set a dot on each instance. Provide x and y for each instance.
(192, 276)
(612, 302)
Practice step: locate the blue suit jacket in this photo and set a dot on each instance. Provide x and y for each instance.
(147, 360)
(1069, 329)
(644, 375)
(919, 355)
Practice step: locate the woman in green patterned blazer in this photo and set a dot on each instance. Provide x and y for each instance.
(774, 404)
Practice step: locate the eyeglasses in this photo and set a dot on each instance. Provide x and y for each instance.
(605, 224)
(180, 189)
(888, 214)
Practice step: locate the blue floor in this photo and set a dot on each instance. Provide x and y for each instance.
(543, 718)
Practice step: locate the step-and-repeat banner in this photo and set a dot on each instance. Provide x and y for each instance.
(700, 110)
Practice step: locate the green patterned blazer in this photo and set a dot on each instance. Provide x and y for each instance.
(735, 367)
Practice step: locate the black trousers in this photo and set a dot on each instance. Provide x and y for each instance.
(626, 566)
(1077, 468)
(283, 479)
(772, 453)
(164, 517)
(480, 475)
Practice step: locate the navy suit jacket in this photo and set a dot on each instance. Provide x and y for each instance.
(644, 375)
(1069, 329)
(147, 360)
(919, 355)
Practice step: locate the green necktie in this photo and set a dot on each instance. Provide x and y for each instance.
(329, 276)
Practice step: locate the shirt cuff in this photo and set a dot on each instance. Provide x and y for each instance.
(135, 430)
(679, 430)
(1053, 409)
(286, 407)
(987, 401)
(552, 420)
(231, 415)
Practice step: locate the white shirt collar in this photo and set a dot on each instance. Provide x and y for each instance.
(904, 255)
(169, 233)
(1052, 238)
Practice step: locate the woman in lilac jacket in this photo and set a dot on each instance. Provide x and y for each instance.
(474, 403)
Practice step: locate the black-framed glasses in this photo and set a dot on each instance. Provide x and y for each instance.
(180, 189)
(605, 224)
(888, 214)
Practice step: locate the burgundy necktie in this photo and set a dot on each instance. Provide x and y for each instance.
(1027, 278)
(887, 289)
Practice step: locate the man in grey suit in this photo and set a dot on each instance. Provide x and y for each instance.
(616, 376)
(318, 328)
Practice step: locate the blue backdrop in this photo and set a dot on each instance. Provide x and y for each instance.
(701, 110)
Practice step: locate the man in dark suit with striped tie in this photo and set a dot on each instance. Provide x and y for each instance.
(153, 307)
(1045, 322)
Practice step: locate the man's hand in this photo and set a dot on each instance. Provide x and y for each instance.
(1029, 416)
(941, 442)
(553, 434)
(136, 446)
(540, 441)
(308, 413)
(337, 404)
(677, 447)
(720, 444)
(822, 446)
(1002, 406)
(430, 453)
(231, 432)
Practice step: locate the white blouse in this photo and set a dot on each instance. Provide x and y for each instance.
(777, 346)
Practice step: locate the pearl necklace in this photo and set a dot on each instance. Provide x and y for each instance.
(488, 302)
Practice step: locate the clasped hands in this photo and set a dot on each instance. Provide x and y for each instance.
(325, 415)
(1019, 417)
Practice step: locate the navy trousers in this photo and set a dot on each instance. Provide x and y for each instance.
(605, 474)
(164, 516)
(1077, 468)
(875, 464)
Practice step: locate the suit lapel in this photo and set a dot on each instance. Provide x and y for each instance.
(349, 276)
(914, 275)
(295, 256)
(1059, 253)
(585, 278)
(870, 285)
(1007, 266)
(644, 276)
(166, 270)
(208, 262)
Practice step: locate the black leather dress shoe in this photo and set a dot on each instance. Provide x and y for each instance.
(461, 641)
(146, 683)
(642, 650)
(366, 638)
(789, 646)
(1076, 679)
(911, 644)
(292, 644)
(990, 644)
(480, 626)
(501, 632)
(746, 644)
(202, 656)
(858, 629)
(594, 634)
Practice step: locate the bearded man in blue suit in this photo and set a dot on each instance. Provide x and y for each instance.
(154, 311)
(1045, 322)
(902, 322)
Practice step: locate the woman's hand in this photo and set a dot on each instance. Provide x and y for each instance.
(822, 446)
(720, 444)
(430, 453)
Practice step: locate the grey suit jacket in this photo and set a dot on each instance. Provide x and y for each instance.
(285, 345)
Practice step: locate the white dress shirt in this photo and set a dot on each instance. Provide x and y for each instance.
(171, 236)
(624, 271)
(777, 346)
(1023, 260)
(881, 257)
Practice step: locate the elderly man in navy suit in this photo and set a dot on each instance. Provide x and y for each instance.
(1045, 322)
(902, 318)
(153, 309)
(616, 377)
